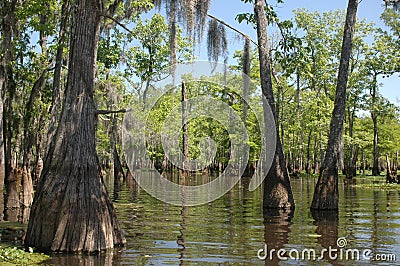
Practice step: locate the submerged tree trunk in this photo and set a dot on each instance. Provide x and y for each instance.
(326, 195)
(72, 210)
(277, 189)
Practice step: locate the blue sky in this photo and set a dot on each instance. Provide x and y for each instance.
(368, 9)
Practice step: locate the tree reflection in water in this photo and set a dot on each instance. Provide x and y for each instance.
(277, 224)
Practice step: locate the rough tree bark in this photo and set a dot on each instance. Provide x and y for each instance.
(326, 195)
(72, 210)
(277, 189)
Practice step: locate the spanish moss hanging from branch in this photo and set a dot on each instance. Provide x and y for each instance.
(201, 11)
(187, 14)
(192, 13)
(217, 43)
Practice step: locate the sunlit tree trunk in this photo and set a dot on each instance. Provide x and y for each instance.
(277, 189)
(326, 195)
(72, 210)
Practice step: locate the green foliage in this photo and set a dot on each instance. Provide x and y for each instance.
(15, 256)
(201, 127)
(150, 59)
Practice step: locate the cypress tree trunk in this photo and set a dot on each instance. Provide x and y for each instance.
(72, 210)
(277, 189)
(326, 195)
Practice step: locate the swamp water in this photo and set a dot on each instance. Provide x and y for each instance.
(234, 229)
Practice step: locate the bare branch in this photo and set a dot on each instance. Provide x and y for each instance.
(106, 112)
(117, 22)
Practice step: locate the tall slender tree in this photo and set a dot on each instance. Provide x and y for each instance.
(72, 210)
(326, 195)
(277, 188)
(7, 86)
(7, 13)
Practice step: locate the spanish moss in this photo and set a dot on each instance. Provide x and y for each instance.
(202, 8)
(192, 13)
(217, 43)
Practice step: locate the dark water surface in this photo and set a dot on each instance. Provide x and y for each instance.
(231, 230)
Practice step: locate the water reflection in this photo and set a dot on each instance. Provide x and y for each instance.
(230, 230)
(326, 223)
(276, 233)
(183, 181)
(102, 259)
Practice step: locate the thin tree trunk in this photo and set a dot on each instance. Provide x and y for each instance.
(2, 129)
(72, 210)
(28, 134)
(2, 146)
(246, 64)
(308, 165)
(185, 136)
(8, 29)
(56, 94)
(326, 195)
(390, 178)
(277, 188)
(172, 37)
(374, 116)
(5, 41)
(119, 174)
(9, 86)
